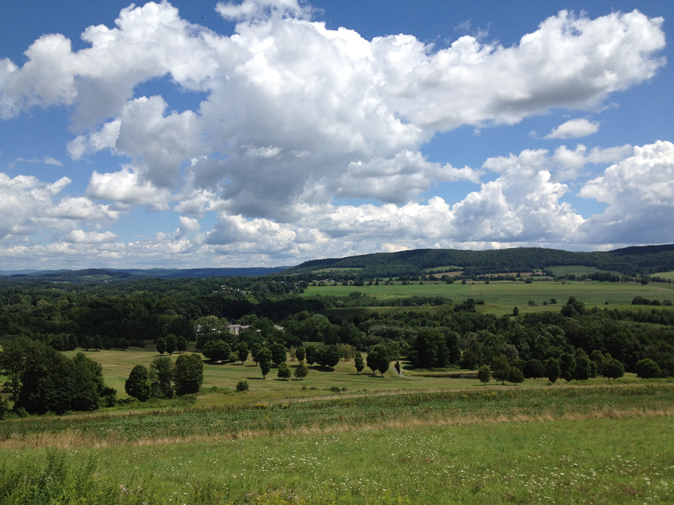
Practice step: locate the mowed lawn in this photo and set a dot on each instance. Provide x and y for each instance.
(118, 364)
(504, 294)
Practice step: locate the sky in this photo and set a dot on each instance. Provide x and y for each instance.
(194, 133)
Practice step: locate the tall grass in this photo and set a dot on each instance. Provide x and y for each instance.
(336, 415)
(612, 461)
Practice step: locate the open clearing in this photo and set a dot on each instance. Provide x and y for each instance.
(504, 294)
(118, 364)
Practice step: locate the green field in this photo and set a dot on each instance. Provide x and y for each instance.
(665, 275)
(567, 445)
(505, 295)
(118, 364)
(577, 270)
(336, 270)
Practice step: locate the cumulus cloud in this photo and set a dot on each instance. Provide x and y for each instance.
(29, 206)
(295, 111)
(82, 237)
(640, 194)
(295, 115)
(564, 163)
(573, 129)
(126, 187)
(398, 179)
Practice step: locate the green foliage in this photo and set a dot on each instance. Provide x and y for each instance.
(533, 369)
(278, 353)
(429, 349)
(484, 374)
(301, 370)
(613, 369)
(50, 382)
(171, 343)
(311, 354)
(283, 371)
(300, 353)
(500, 369)
(265, 360)
(161, 375)
(584, 367)
(647, 369)
(567, 365)
(217, 350)
(161, 346)
(328, 356)
(181, 344)
(515, 375)
(379, 359)
(188, 374)
(13, 364)
(138, 384)
(552, 370)
(242, 352)
(242, 386)
(358, 359)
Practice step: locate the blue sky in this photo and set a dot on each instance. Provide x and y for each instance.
(269, 132)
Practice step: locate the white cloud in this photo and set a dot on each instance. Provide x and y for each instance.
(573, 129)
(295, 115)
(82, 237)
(126, 187)
(292, 107)
(28, 206)
(96, 141)
(564, 163)
(256, 9)
(397, 180)
(52, 161)
(640, 194)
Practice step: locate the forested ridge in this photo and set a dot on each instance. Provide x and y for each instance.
(630, 261)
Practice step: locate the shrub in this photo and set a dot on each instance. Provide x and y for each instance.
(647, 369)
(242, 386)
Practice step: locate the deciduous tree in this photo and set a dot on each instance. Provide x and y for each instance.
(188, 374)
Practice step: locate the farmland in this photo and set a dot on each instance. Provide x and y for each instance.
(502, 295)
(430, 435)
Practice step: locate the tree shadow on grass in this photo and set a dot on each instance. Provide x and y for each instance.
(255, 378)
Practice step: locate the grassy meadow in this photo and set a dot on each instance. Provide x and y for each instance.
(561, 444)
(118, 364)
(502, 296)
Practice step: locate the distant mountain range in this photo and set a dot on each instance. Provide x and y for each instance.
(105, 274)
(642, 260)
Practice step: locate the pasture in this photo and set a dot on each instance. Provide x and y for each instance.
(502, 296)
